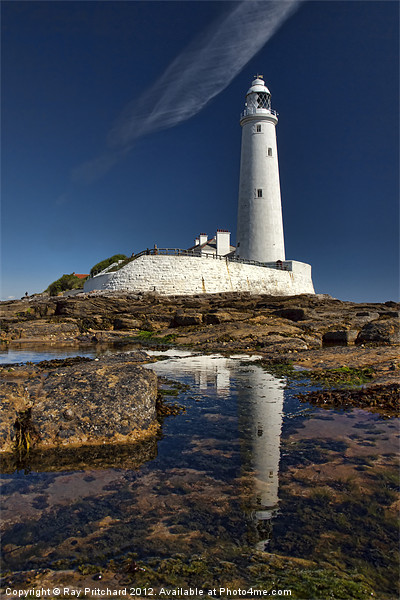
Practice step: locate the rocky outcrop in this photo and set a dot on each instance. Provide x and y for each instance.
(229, 321)
(293, 314)
(101, 401)
(44, 330)
(185, 319)
(381, 331)
(345, 337)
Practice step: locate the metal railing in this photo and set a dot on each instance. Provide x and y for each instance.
(257, 111)
(279, 265)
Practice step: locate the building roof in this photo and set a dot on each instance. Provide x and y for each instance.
(210, 245)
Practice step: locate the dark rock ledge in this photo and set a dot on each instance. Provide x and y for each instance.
(102, 401)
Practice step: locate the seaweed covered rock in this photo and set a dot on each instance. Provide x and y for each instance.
(384, 399)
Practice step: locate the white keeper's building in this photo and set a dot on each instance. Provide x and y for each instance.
(257, 264)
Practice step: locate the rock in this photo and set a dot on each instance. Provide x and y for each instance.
(283, 344)
(378, 398)
(184, 319)
(381, 331)
(363, 317)
(214, 318)
(127, 322)
(109, 400)
(293, 314)
(14, 400)
(43, 329)
(344, 337)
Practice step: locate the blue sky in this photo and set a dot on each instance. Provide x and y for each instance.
(70, 69)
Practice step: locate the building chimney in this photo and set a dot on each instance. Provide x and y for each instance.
(223, 242)
(196, 241)
(203, 237)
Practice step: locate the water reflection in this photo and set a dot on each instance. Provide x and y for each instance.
(118, 456)
(208, 372)
(260, 408)
(23, 354)
(212, 488)
(260, 398)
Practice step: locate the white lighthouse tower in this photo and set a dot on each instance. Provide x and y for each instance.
(259, 226)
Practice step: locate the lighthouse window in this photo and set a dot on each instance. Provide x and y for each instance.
(258, 128)
(259, 193)
(263, 100)
(269, 151)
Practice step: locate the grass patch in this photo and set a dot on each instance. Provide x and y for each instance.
(66, 282)
(121, 264)
(100, 266)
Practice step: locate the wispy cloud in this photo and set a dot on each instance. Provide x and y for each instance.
(196, 76)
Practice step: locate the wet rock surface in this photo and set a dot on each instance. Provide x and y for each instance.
(101, 401)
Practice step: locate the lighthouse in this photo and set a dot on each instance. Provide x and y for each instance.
(259, 225)
(257, 265)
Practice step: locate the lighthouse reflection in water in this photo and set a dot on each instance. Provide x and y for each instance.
(260, 398)
(260, 408)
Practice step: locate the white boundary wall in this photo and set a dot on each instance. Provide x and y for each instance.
(188, 275)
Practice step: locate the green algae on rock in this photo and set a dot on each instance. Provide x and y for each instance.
(384, 399)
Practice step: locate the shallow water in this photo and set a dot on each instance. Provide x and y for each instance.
(246, 466)
(24, 355)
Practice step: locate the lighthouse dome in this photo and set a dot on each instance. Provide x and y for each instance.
(258, 85)
(258, 98)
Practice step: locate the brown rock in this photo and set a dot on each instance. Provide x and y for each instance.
(283, 344)
(184, 319)
(111, 400)
(293, 314)
(107, 400)
(381, 331)
(214, 318)
(43, 329)
(127, 322)
(14, 399)
(344, 337)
